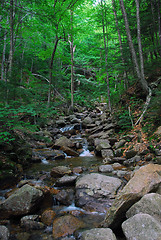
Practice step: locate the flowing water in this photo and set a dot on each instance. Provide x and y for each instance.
(39, 174)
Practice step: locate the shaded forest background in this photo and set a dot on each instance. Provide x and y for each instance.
(61, 56)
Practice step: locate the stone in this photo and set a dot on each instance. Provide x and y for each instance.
(66, 225)
(107, 153)
(87, 121)
(145, 180)
(65, 196)
(150, 204)
(101, 144)
(98, 234)
(142, 227)
(77, 170)
(47, 217)
(69, 151)
(109, 126)
(95, 191)
(132, 161)
(31, 222)
(120, 143)
(158, 131)
(23, 201)
(4, 233)
(66, 181)
(105, 168)
(63, 142)
(130, 153)
(60, 171)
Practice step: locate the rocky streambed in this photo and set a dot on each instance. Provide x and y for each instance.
(87, 183)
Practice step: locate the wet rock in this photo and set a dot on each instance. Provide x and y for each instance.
(49, 154)
(31, 222)
(98, 234)
(66, 225)
(117, 166)
(77, 170)
(47, 217)
(60, 171)
(107, 153)
(4, 233)
(69, 151)
(105, 168)
(132, 161)
(101, 144)
(25, 200)
(141, 227)
(119, 159)
(145, 180)
(120, 143)
(87, 121)
(108, 126)
(95, 191)
(65, 196)
(23, 235)
(66, 181)
(150, 204)
(130, 153)
(63, 142)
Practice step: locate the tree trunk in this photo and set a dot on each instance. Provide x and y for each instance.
(159, 24)
(105, 39)
(51, 69)
(120, 42)
(11, 38)
(134, 58)
(72, 49)
(4, 57)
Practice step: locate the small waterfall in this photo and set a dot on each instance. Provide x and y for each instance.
(86, 152)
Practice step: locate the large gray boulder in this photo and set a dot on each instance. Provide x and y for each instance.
(96, 192)
(142, 227)
(4, 233)
(150, 204)
(145, 180)
(98, 234)
(25, 200)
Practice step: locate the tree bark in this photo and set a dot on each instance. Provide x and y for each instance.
(51, 69)
(11, 38)
(105, 39)
(3, 77)
(159, 24)
(134, 58)
(120, 42)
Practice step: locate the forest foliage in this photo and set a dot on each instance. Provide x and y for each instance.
(37, 39)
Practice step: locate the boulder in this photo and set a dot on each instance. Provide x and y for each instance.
(120, 143)
(63, 142)
(142, 227)
(60, 171)
(70, 152)
(107, 153)
(23, 201)
(31, 222)
(4, 233)
(130, 153)
(101, 144)
(98, 234)
(66, 181)
(132, 161)
(95, 191)
(65, 196)
(145, 180)
(47, 217)
(105, 168)
(66, 225)
(150, 204)
(87, 121)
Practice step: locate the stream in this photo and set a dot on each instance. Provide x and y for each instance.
(39, 175)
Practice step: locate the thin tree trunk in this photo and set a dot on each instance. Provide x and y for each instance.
(72, 49)
(11, 38)
(4, 58)
(120, 42)
(134, 58)
(159, 24)
(106, 57)
(51, 69)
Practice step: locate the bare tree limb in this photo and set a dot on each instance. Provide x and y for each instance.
(148, 98)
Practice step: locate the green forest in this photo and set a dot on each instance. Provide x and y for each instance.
(58, 55)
